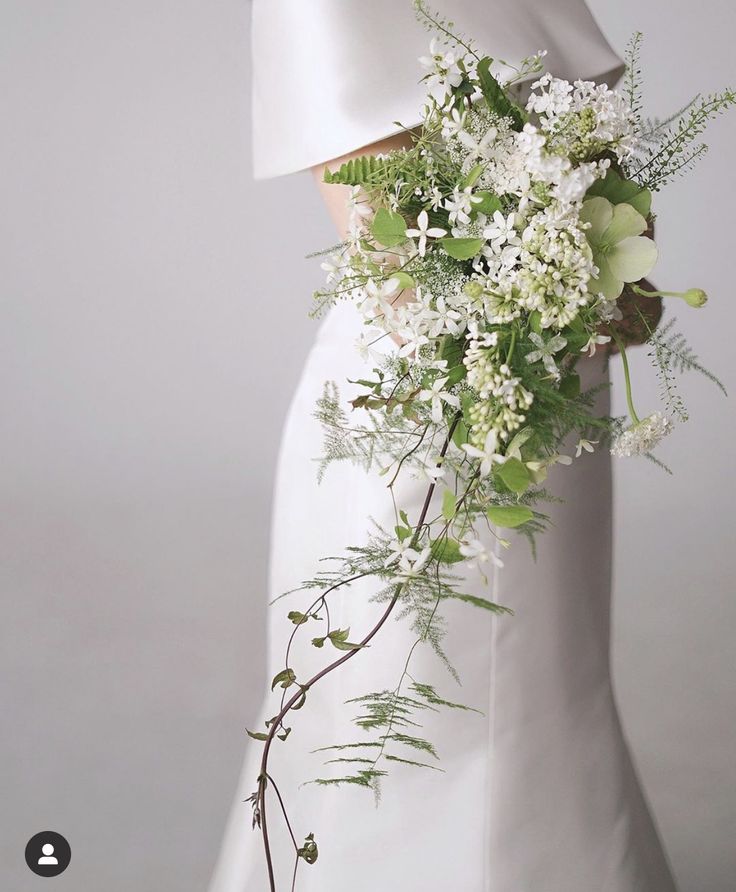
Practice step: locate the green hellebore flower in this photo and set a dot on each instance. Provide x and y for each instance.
(620, 251)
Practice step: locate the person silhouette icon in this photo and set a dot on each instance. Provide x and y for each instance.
(48, 856)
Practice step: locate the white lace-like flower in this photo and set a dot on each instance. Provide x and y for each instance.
(641, 438)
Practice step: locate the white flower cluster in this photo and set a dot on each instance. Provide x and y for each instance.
(509, 192)
(582, 117)
(503, 399)
(641, 438)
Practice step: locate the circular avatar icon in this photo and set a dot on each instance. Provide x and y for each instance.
(48, 854)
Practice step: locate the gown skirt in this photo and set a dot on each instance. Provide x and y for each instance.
(537, 791)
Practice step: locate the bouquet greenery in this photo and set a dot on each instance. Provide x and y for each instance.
(495, 250)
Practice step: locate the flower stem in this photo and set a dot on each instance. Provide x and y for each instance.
(511, 346)
(627, 377)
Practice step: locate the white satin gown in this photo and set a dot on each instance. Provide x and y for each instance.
(538, 793)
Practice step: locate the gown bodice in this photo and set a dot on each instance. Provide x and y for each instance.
(331, 76)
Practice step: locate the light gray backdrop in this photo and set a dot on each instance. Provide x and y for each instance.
(154, 321)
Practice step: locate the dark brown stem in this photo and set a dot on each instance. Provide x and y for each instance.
(295, 698)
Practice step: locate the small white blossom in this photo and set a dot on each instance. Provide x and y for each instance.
(424, 231)
(488, 454)
(477, 552)
(587, 445)
(546, 351)
(411, 563)
(437, 395)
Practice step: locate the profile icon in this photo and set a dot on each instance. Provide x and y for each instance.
(48, 854)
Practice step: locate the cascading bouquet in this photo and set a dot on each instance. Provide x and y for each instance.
(499, 249)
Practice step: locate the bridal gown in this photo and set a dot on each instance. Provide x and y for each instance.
(538, 792)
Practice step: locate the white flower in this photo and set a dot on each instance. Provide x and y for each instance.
(333, 268)
(502, 231)
(423, 231)
(642, 437)
(459, 205)
(400, 547)
(593, 341)
(431, 471)
(488, 455)
(587, 445)
(558, 459)
(437, 395)
(358, 205)
(478, 148)
(445, 71)
(546, 351)
(476, 551)
(411, 563)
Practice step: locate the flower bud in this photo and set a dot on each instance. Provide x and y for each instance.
(473, 289)
(696, 297)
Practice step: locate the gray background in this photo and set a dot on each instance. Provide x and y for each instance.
(153, 326)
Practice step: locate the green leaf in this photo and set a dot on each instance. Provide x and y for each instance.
(339, 640)
(449, 504)
(405, 280)
(389, 228)
(460, 434)
(514, 474)
(461, 248)
(519, 439)
(286, 733)
(472, 176)
(618, 190)
(485, 203)
(302, 699)
(319, 642)
(285, 678)
(496, 97)
(446, 551)
(451, 349)
(358, 171)
(308, 851)
(509, 516)
(297, 618)
(256, 735)
(402, 533)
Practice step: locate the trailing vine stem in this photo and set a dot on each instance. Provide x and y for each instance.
(264, 777)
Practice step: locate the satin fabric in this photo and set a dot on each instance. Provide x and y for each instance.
(330, 76)
(537, 791)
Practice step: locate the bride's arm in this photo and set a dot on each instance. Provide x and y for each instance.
(336, 196)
